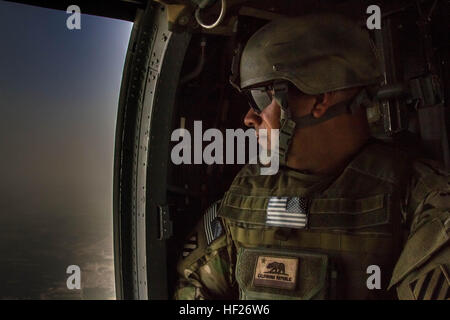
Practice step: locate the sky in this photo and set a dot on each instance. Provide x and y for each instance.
(59, 92)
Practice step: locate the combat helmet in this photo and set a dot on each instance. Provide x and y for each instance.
(316, 53)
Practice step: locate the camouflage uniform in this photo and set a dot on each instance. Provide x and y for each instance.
(383, 209)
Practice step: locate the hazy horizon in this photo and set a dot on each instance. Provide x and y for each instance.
(59, 91)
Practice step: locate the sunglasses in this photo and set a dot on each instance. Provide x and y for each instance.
(259, 98)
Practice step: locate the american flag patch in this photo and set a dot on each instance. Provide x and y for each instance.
(289, 212)
(190, 245)
(213, 226)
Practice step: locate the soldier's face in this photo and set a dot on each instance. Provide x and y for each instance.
(269, 118)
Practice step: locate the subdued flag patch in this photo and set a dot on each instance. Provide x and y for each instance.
(288, 212)
(213, 226)
(190, 245)
(433, 285)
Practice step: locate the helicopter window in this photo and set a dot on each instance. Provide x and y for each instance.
(59, 92)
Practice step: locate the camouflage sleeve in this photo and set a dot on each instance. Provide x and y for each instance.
(205, 268)
(422, 271)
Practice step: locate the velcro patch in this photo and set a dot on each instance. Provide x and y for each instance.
(434, 285)
(289, 212)
(212, 224)
(276, 272)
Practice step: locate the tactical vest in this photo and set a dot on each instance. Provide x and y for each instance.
(349, 233)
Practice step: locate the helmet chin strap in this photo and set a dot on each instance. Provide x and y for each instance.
(288, 124)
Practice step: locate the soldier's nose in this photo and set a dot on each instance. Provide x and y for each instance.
(252, 119)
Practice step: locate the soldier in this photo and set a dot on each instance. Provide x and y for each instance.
(346, 216)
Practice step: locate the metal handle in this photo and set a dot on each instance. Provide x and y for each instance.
(218, 21)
